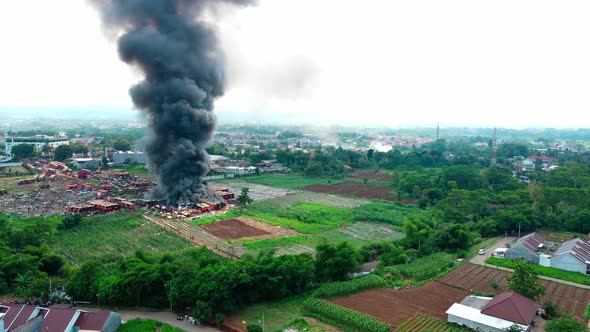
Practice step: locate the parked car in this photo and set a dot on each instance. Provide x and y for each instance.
(481, 252)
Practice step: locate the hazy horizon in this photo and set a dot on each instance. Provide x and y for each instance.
(461, 63)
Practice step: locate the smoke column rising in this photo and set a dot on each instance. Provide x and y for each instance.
(184, 72)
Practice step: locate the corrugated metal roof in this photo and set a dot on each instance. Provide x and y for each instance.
(93, 321)
(513, 307)
(578, 248)
(474, 315)
(57, 320)
(531, 242)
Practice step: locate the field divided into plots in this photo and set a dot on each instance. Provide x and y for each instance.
(420, 322)
(472, 278)
(395, 306)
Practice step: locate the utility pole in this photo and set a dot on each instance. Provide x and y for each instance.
(493, 160)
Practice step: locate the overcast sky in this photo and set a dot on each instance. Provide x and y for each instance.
(482, 63)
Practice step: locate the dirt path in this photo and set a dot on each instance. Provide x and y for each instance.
(480, 260)
(165, 317)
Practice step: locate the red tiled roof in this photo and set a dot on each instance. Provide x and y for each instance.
(57, 320)
(93, 321)
(512, 307)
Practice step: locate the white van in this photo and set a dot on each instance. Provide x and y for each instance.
(500, 252)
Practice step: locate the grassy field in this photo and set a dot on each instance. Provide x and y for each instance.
(147, 325)
(544, 271)
(289, 181)
(277, 315)
(357, 234)
(114, 235)
(386, 212)
(20, 221)
(305, 218)
(314, 198)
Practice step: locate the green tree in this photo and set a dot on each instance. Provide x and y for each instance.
(71, 221)
(525, 281)
(335, 262)
(122, 144)
(105, 162)
(84, 282)
(244, 198)
(21, 151)
(514, 328)
(565, 325)
(63, 152)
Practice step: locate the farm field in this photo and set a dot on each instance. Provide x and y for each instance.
(569, 299)
(396, 306)
(258, 192)
(420, 322)
(288, 181)
(314, 198)
(357, 234)
(355, 189)
(374, 176)
(113, 235)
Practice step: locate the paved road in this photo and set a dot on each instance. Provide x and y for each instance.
(480, 260)
(166, 317)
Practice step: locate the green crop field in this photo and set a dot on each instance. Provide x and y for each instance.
(147, 325)
(303, 217)
(356, 233)
(421, 323)
(385, 212)
(114, 235)
(20, 221)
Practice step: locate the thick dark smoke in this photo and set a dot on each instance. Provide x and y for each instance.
(179, 53)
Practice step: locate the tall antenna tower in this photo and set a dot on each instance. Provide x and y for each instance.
(437, 130)
(493, 160)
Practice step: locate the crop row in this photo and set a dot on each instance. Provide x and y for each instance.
(344, 288)
(352, 319)
(423, 268)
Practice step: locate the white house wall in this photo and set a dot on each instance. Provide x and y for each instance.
(472, 325)
(568, 262)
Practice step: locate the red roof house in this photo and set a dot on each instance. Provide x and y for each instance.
(512, 307)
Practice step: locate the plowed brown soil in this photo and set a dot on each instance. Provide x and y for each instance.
(396, 306)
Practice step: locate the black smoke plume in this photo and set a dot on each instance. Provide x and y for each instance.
(178, 51)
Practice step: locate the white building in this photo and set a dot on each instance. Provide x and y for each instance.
(87, 163)
(486, 314)
(123, 157)
(38, 142)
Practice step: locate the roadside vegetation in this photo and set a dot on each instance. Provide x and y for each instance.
(147, 325)
(544, 271)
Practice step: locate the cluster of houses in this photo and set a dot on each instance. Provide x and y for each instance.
(56, 318)
(572, 255)
(223, 166)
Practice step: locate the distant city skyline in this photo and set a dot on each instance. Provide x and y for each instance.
(463, 63)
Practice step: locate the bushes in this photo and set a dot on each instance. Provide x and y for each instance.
(352, 319)
(423, 268)
(344, 288)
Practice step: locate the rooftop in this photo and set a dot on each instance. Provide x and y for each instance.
(512, 307)
(531, 241)
(578, 248)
